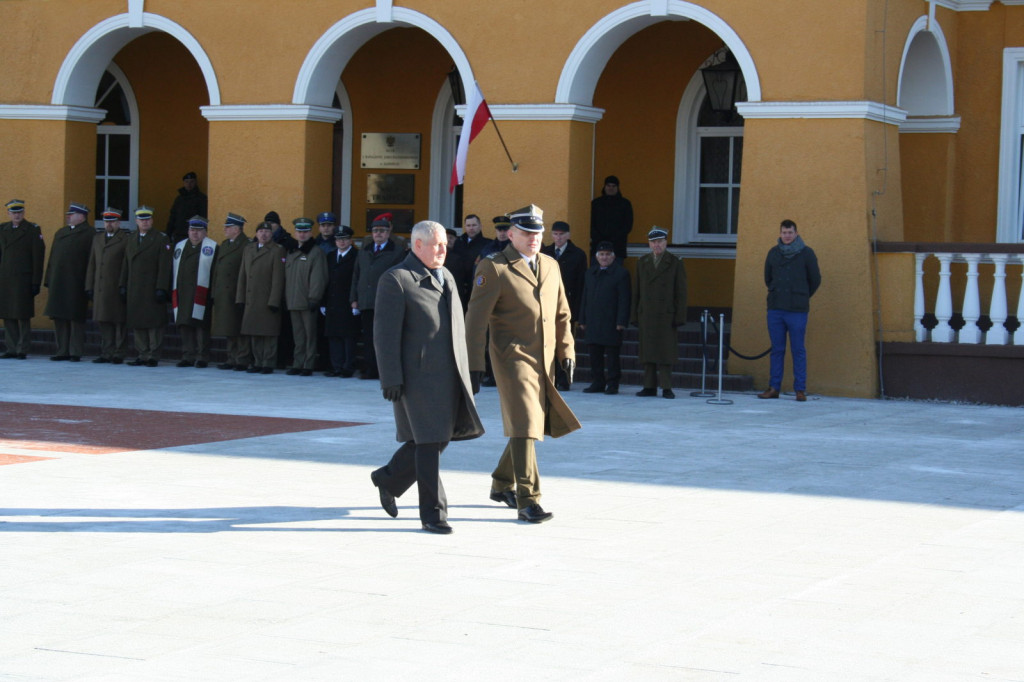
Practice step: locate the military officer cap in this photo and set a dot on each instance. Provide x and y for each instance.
(302, 224)
(560, 226)
(111, 214)
(656, 233)
(197, 222)
(383, 220)
(144, 213)
(191, 175)
(501, 222)
(344, 231)
(529, 218)
(265, 225)
(15, 205)
(75, 207)
(234, 220)
(327, 217)
(605, 246)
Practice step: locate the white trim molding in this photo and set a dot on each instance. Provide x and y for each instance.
(271, 112)
(872, 111)
(930, 89)
(136, 8)
(966, 5)
(51, 112)
(541, 112)
(931, 124)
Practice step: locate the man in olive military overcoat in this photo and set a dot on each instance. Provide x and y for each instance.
(21, 273)
(103, 286)
(261, 288)
(146, 279)
(305, 278)
(227, 314)
(518, 294)
(659, 309)
(66, 303)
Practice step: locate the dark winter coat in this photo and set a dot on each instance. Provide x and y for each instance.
(611, 219)
(186, 204)
(606, 304)
(659, 307)
(147, 270)
(305, 277)
(21, 269)
(65, 273)
(573, 266)
(103, 278)
(227, 315)
(261, 289)
(369, 268)
(791, 281)
(188, 281)
(340, 320)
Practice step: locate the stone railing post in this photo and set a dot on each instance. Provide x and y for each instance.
(943, 333)
(972, 301)
(920, 333)
(997, 335)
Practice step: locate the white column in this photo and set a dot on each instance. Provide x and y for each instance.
(920, 333)
(997, 335)
(1018, 336)
(943, 333)
(972, 301)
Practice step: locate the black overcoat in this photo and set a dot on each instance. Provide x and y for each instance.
(340, 320)
(606, 303)
(21, 269)
(65, 273)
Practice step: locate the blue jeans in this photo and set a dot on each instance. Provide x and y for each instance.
(781, 322)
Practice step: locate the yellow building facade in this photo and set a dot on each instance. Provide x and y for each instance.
(864, 121)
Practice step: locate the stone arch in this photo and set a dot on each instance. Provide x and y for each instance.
(93, 52)
(327, 58)
(926, 74)
(588, 58)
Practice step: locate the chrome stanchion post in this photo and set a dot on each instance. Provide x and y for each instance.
(703, 392)
(721, 347)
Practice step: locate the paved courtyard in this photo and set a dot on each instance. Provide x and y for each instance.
(186, 524)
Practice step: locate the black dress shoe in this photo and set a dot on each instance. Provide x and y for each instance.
(266, 370)
(184, 363)
(647, 393)
(254, 370)
(346, 373)
(100, 360)
(594, 388)
(201, 364)
(225, 365)
(306, 373)
(8, 356)
(441, 528)
(21, 356)
(152, 363)
(667, 393)
(331, 373)
(506, 496)
(562, 386)
(611, 390)
(241, 368)
(137, 362)
(294, 371)
(75, 358)
(117, 361)
(387, 500)
(60, 358)
(534, 514)
(488, 381)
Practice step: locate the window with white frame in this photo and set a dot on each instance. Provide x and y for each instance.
(116, 145)
(1010, 220)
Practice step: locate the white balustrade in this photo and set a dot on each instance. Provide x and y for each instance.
(998, 335)
(943, 333)
(920, 333)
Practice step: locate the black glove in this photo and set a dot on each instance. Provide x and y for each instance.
(88, 294)
(392, 393)
(161, 296)
(124, 293)
(474, 381)
(273, 308)
(569, 365)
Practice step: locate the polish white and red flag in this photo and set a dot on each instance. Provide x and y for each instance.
(474, 120)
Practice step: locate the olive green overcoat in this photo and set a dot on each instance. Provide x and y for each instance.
(65, 273)
(147, 269)
(103, 278)
(261, 287)
(659, 307)
(21, 269)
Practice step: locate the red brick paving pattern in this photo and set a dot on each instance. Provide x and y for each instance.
(103, 430)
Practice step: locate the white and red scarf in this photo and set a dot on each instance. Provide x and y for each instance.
(206, 251)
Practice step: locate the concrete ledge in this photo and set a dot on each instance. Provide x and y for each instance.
(954, 371)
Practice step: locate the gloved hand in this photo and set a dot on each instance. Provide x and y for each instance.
(161, 296)
(474, 380)
(124, 293)
(392, 393)
(88, 294)
(569, 365)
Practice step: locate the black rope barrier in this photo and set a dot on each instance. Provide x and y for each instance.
(730, 348)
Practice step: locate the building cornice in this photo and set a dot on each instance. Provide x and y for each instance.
(932, 124)
(541, 112)
(872, 111)
(271, 112)
(51, 112)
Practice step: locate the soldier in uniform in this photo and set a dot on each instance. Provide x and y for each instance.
(193, 270)
(260, 289)
(341, 324)
(572, 263)
(227, 315)
(21, 273)
(305, 278)
(103, 287)
(66, 303)
(518, 295)
(146, 280)
(659, 309)
(375, 257)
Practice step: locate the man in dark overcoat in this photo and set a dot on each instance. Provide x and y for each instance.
(146, 280)
(611, 218)
(21, 273)
(659, 309)
(375, 258)
(572, 263)
(466, 249)
(66, 303)
(604, 314)
(227, 315)
(261, 290)
(103, 286)
(424, 371)
(193, 273)
(518, 296)
(189, 202)
(341, 326)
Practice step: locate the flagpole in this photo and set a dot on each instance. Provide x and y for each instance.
(515, 166)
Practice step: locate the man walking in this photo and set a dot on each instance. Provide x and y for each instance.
(146, 280)
(103, 287)
(21, 273)
(66, 303)
(792, 276)
(193, 270)
(518, 295)
(424, 371)
(659, 309)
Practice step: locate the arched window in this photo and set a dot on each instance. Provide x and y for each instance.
(117, 151)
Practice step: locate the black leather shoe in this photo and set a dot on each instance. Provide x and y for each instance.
(60, 358)
(331, 373)
(594, 388)
(184, 363)
(534, 514)
(267, 370)
(346, 373)
(137, 362)
(387, 500)
(201, 364)
(21, 356)
(254, 370)
(441, 528)
(100, 360)
(488, 381)
(611, 390)
(562, 386)
(75, 358)
(225, 365)
(8, 356)
(648, 393)
(241, 368)
(152, 363)
(306, 373)
(506, 496)
(294, 372)
(117, 361)
(667, 393)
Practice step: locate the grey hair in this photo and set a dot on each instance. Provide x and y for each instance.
(426, 229)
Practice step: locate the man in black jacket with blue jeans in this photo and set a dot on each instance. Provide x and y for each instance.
(792, 276)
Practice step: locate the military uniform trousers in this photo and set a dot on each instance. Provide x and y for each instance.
(18, 335)
(657, 374)
(418, 463)
(195, 342)
(148, 341)
(70, 337)
(264, 351)
(239, 350)
(113, 337)
(517, 469)
(304, 333)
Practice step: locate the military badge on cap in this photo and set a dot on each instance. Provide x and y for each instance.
(234, 220)
(111, 214)
(501, 222)
(302, 224)
(529, 218)
(344, 232)
(81, 209)
(144, 213)
(15, 205)
(656, 233)
(197, 222)
(327, 217)
(265, 226)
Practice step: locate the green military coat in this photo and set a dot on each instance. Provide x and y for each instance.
(227, 318)
(659, 307)
(65, 273)
(103, 278)
(261, 286)
(21, 269)
(147, 269)
(188, 255)
(305, 277)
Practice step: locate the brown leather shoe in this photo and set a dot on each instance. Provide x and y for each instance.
(801, 397)
(770, 393)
